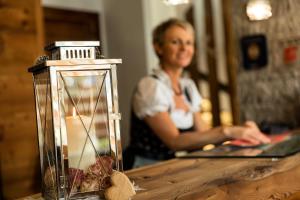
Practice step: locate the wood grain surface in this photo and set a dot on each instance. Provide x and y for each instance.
(20, 44)
(217, 179)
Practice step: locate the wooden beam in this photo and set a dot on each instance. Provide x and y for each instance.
(213, 86)
(231, 61)
(202, 76)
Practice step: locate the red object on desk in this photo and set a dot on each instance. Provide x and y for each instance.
(279, 137)
(276, 138)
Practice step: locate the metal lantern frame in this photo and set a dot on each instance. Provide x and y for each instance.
(74, 58)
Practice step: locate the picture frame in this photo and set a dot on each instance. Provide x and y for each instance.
(254, 51)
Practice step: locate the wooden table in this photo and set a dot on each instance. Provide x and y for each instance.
(218, 179)
(231, 179)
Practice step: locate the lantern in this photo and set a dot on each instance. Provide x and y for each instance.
(78, 120)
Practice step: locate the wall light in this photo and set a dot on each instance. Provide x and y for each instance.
(259, 9)
(175, 2)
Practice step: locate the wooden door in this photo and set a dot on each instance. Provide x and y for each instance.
(67, 25)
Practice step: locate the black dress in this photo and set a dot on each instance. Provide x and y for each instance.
(145, 143)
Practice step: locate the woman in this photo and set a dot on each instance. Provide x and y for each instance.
(165, 116)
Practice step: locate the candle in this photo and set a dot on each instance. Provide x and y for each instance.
(77, 137)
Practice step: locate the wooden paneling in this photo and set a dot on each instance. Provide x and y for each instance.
(21, 42)
(18, 15)
(19, 46)
(16, 89)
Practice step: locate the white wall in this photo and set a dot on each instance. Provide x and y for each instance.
(84, 5)
(125, 39)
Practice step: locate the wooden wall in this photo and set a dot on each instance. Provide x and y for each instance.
(21, 41)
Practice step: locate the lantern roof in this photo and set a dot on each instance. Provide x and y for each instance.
(58, 44)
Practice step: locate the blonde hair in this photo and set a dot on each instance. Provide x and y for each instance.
(159, 32)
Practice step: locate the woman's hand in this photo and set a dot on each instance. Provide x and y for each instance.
(249, 132)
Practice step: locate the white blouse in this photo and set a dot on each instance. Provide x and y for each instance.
(155, 95)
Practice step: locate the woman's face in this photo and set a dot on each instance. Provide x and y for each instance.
(177, 49)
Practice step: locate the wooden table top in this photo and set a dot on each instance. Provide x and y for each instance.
(218, 179)
(221, 178)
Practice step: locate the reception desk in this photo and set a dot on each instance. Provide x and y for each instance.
(268, 171)
(217, 179)
(265, 178)
(220, 178)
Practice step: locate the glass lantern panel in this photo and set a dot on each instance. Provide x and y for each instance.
(85, 129)
(45, 134)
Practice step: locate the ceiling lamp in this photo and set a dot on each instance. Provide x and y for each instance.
(175, 2)
(259, 9)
